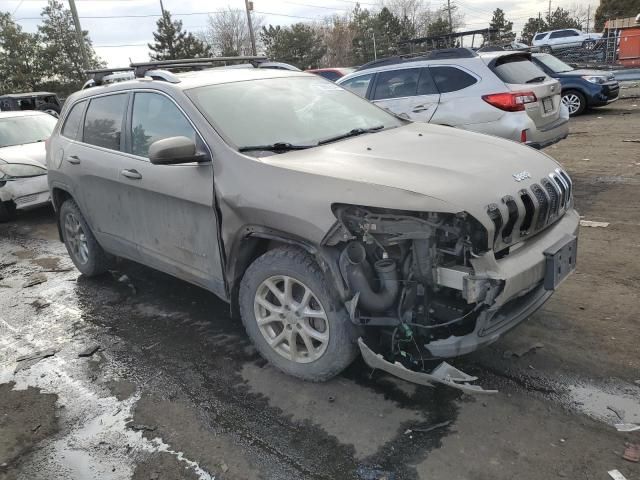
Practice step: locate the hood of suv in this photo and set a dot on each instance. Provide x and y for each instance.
(465, 169)
(30, 153)
(585, 72)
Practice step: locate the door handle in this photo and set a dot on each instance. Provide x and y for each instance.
(73, 159)
(420, 108)
(132, 174)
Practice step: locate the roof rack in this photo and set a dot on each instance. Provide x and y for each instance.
(441, 54)
(140, 69)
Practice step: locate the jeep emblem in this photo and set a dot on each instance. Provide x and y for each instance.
(521, 176)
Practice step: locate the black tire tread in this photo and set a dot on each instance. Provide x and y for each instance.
(99, 261)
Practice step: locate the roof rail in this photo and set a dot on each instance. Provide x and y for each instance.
(441, 54)
(140, 69)
(99, 74)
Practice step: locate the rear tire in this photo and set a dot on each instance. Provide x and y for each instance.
(275, 315)
(50, 108)
(575, 102)
(7, 211)
(87, 255)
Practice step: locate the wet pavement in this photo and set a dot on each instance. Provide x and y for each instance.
(175, 389)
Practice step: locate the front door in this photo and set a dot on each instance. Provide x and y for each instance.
(175, 225)
(409, 93)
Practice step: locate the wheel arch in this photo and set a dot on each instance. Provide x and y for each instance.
(255, 240)
(58, 197)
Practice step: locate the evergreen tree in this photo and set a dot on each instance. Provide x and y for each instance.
(172, 43)
(505, 29)
(560, 19)
(20, 68)
(60, 56)
(612, 9)
(533, 25)
(299, 44)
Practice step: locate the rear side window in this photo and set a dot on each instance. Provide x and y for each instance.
(397, 83)
(451, 79)
(71, 128)
(358, 85)
(329, 75)
(518, 70)
(564, 33)
(540, 36)
(156, 117)
(103, 121)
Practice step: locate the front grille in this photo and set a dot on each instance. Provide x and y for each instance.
(534, 208)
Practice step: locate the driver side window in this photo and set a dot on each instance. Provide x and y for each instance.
(155, 117)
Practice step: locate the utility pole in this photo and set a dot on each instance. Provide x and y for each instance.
(549, 17)
(76, 22)
(588, 16)
(249, 6)
(539, 21)
(450, 21)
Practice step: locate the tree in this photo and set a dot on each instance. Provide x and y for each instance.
(172, 43)
(19, 58)
(560, 19)
(505, 29)
(60, 56)
(612, 9)
(227, 32)
(533, 25)
(338, 36)
(299, 44)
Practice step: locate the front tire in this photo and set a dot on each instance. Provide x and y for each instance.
(294, 317)
(7, 211)
(545, 49)
(85, 252)
(575, 102)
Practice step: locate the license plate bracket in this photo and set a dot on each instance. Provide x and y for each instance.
(560, 261)
(547, 104)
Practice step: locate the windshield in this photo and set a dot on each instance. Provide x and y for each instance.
(303, 111)
(555, 64)
(29, 129)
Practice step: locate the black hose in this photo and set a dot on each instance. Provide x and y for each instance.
(355, 264)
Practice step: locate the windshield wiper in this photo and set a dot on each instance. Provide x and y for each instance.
(536, 79)
(351, 133)
(278, 147)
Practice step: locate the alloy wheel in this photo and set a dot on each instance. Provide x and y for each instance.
(76, 238)
(572, 102)
(291, 319)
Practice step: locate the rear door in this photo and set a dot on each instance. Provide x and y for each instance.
(409, 92)
(92, 163)
(520, 74)
(172, 206)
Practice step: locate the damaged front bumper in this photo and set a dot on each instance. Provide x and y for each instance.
(524, 275)
(443, 373)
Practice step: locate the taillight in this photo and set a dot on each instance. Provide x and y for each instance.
(510, 102)
(523, 136)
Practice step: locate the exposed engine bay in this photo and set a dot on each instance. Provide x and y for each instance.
(410, 275)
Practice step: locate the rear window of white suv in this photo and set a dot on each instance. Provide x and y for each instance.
(518, 69)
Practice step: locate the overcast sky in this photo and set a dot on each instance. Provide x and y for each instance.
(117, 40)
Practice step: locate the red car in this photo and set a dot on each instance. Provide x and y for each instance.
(332, 74)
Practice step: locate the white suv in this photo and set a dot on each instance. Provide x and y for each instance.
(569, 37)
(498, 93)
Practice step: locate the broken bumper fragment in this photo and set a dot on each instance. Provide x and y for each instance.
(443, 373)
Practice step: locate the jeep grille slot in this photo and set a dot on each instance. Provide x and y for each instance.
(567, 180)
(530, 209)
(543, 205)
(512, 208)
(554, 199)
(563, 190)
(496, 217)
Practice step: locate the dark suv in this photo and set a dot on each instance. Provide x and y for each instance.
(44, 101)
(581, 89)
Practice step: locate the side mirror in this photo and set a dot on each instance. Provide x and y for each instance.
(175, 150)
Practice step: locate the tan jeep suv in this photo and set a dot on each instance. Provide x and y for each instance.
(318, 216)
